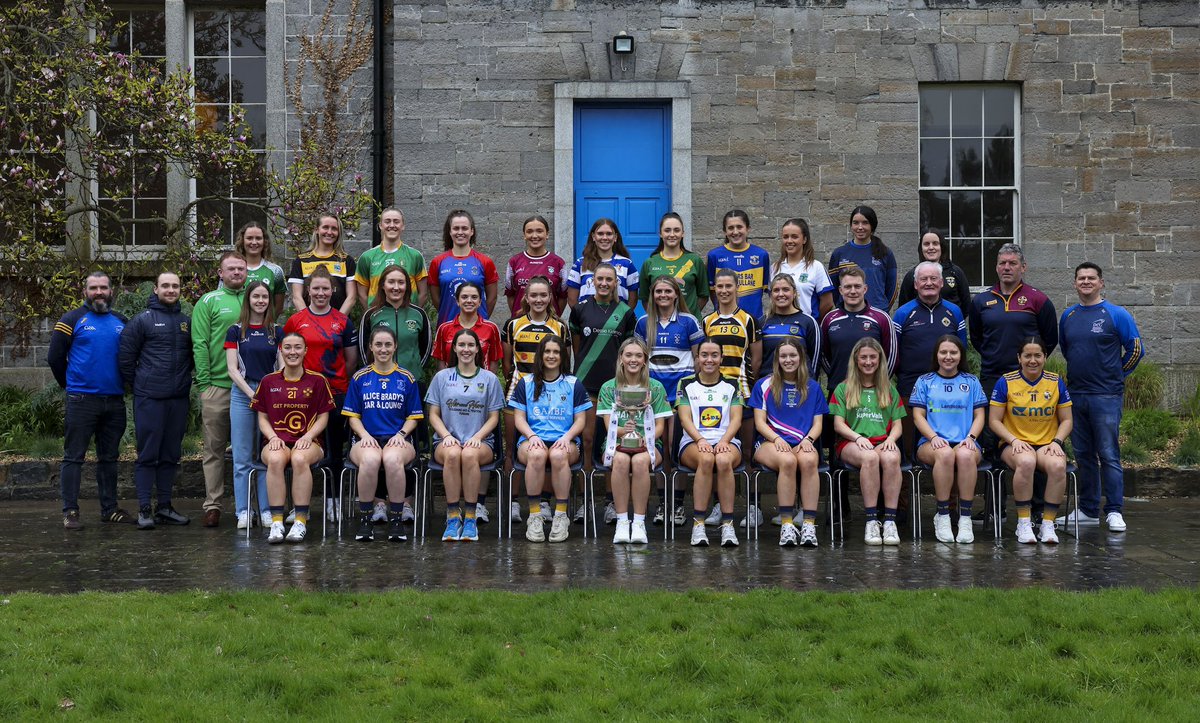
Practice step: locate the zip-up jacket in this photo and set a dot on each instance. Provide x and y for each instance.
(212, 316)
(83, 352)
(155, 356)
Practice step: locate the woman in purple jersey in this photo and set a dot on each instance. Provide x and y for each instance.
(535, 260)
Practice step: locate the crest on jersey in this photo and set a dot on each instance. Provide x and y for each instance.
(1022, 300)
(1098, 326)
(945, 321)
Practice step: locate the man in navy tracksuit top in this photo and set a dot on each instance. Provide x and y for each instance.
(83, 358)
(920, 323)
(1102, 346)
(155, 358)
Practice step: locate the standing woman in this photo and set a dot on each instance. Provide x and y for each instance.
(550, 413)
(814, 289)
(535, 260)
(459, 263)
(672, 258)
(785, 320)
(947, 407)
(634, 439)
(326, 252)
(469, 296)
(789, 412)
(464, 403)
(869, 253)
(749, 263)
(251, 352)
(393, 309)
(383, 405)
(866, 414)
(1031, 415)
(710, 413)
(956, 290)
(604, 245)
(293, 406)
(251, 241)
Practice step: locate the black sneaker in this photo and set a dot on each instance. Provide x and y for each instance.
(118, 516)
(71, 520)
(660, 514)
(366, 529)
(145, 520)
(396, 530)
(168, 516)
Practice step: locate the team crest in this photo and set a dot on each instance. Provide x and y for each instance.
(1046, 395)
(945, 321)
(183, 326)
(866, 326)
(964, 387)
(308, 392)
(950, 282)
(1022, 300)
(1098, 326)
(803, 278)
(754, 259)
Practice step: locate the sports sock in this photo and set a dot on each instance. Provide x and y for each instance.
(785, 514)
(364, 508)
(1023, 511)
(302, 514)
(560, 506)
(964, 507)
(1049, 512)
(395, 509)
(943, 507)
(872, 513)
(468, 511)
(726, 518)
(810, 516)
(889, 514)
(639, 518)
(622, 517)
(277, 514)
(535, 506)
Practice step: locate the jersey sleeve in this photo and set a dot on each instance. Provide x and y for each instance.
(231, 337)
(489, 269)
(1000, 393)
(896, 409)
(820, 403)
(582, 401)
(1131, 340)
(695, 333)
(433, 395)
(1048, 325)
(441, 344)
(919, 391)
(349, 335)
(352, 406)
(362, 274)
(517, 400)
(413, 408)
(604, 401)
(1064, 397)
(495, 352)
(756, 395)
(630, 282)
(978, 398)
(837, 406)
(506, 333)
(324, 398)
(753, 330)
(658, 400)
(495, 396)
(296, 274)
(575, 276)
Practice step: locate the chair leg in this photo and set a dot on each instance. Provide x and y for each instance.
(914, 504)
(669, 520)
(249, 493)
(589, 499)
(997, 490)
(419, 496)
(1075, 500)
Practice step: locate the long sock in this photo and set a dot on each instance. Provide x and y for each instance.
(482, 500)
(943, 507)
(872, 513)
(786, 514)
(964, 507)
(277, 514)
(395, 509)
(726, 518)
(889, 514)
(560, 506)
(1049, 512)
(535, 506)
(302, 514)
(364, 508)
(698, 516)
(454, 509)
(468, 511)
(1023, 511)
(810, 516)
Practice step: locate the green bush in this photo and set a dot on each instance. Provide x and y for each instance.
(45, 447)
(1058, 365)
(1134, 453)
(1191, 406)
(131, 302)
(1150, 428)
(1144, 388)
(1188, 453)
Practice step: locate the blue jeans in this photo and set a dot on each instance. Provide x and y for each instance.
(243, 434)
(88, 416)
(160, 425)
(1097, 420)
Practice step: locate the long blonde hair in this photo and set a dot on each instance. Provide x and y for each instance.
(643, 380)
(777, 378)
(338, 248)
(854, 385)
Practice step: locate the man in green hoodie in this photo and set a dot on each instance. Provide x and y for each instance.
(212, 316)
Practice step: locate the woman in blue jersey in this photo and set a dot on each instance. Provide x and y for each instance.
(948, 410)
(383, 405)
(786, 320)
(789, 410)
(550, 409)
(869, 253)
(604, 244)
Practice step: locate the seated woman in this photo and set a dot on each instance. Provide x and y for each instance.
(947, 409)
(293, 406)
(866, 414)
(1031, 416)
(464, 408)
(710, 416)
(550, 410)
(635, 410)
(383, 405)
(789, 411)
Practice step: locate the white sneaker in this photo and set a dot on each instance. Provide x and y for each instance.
(699, 535)
(560, 528)
(680, 515)
(481, 513)
(546, 512)
(891, 536)
(872, 536)
(514, 511)
(1115, 522)
(728, 535)
(406, 514)
(621, 536)
(243, 519)
(276, 535)
(265, 518)
(534, 531)
(714, 517)
(1025, 534)
(1085, 520)
(942, 529)
(1049, 536)
(610, 514)
(753, 513)
(966, 532)
(789, 536)
(579, 514)
(297, 533)
(291, 516)
(808, 535)
(380, 512)
(637, 532)
(332, 513)
(777, 520)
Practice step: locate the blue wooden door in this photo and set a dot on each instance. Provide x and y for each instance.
(623, 171)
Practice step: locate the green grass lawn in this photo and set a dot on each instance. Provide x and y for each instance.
(988, 654)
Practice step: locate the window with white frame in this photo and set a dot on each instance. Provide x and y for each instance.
(969, 175)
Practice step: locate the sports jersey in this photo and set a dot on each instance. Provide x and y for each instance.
(790, 418)
(375, 261)
(1031, 410)
(449, 272)
(384, 402)
(881, 273)
(523, 267)
(997, 324)
(464, 402)
(812, 281)
(751, 265)
(688, 269)
(524, 335)
(671, 357)
(868, 418)
(955, 287)
(949, 403)
(841, 330)
(257, 353)
(326, 337)
(606, 404)
(293, 406)
(797, 325)
(489, 342)
(341, 268)
(1092, 339)
(710, 406)
(414, 338)
(83, 352)
(599, 329)
(270, 273)
(552, 414)
(735, 333)
(585, 281)
(917, 328)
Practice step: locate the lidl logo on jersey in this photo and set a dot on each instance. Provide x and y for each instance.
(710, 417)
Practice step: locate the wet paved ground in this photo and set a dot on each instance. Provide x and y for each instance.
(1161, 549)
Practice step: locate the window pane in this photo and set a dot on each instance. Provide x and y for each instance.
(935, 210)
(151, 231)
(997, 213)
(149, 33)
(212, 215)
(250, 184)
(212, 80)
(967, 112)
(965, 253)
(256, 118)
(965, 214)
(112, 231)
(999, 169)
(998, 112)
(249, 80)
(247, 36)
(211, 36)
(118, 38)
(990, 247)
(968, 162)
(935, 162)
(935, 112)
(153, 181)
